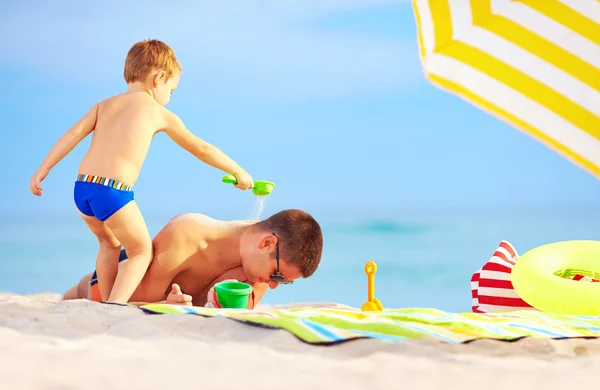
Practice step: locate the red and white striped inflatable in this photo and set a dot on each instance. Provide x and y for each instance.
(491, 289)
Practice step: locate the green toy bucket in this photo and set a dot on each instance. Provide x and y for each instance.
(233, 295)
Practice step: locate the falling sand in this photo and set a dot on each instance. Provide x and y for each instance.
(259, 206)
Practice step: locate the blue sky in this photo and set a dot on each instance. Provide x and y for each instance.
(324, 97)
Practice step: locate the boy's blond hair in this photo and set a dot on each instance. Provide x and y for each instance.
(149, 55)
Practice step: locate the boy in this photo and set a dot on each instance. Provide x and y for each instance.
(123, 127)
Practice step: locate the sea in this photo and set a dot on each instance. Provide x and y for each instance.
(424, 260)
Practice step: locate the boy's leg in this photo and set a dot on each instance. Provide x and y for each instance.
(107, 261)
(129, 227)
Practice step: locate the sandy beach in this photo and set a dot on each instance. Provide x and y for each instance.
(49, 344)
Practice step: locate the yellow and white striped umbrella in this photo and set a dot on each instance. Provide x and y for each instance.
(532, 63)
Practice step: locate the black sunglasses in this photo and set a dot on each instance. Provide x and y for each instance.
(277, 277)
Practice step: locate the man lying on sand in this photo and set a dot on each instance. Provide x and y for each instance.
(192, 252)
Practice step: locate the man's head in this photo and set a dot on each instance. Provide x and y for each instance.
(292, 235)
(154, 64)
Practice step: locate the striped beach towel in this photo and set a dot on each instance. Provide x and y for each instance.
(491, 288)
(332, 325)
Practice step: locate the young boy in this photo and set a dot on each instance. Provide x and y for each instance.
(123, 127)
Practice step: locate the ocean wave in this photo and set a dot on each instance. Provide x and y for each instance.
(379, 227)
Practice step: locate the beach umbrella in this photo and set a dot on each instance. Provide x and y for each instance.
(534, 64)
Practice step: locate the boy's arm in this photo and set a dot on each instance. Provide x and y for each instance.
(202, 150)
(70, 139)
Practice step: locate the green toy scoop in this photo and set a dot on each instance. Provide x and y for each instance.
(261, 187)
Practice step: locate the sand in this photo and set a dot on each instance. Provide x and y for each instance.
(50, 344)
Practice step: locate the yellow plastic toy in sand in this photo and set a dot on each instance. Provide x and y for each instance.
(372, 303)
(543, 277)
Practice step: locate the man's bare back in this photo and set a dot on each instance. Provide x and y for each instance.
(194, 251)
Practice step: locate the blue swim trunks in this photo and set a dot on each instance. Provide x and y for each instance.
(100, 197)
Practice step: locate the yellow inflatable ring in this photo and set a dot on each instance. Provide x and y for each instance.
(542, 277)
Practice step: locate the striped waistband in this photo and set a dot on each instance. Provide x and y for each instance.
(105, 181)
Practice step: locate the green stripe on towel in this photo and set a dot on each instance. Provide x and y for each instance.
(332, 325)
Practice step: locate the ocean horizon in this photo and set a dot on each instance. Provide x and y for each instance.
(423, 259)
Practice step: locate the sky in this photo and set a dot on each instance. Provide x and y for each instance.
(326, 98)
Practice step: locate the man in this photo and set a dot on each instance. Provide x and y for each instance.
(193, 252)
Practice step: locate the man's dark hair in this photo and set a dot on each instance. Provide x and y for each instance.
(300, 238)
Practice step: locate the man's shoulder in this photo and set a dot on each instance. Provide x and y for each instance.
(198, 224)
(203, 218)
(194, 218)
(191, 223)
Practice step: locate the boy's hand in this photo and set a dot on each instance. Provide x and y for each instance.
(244, 181)
(36, 180)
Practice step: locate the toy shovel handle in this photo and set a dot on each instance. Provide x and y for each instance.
(229, 179)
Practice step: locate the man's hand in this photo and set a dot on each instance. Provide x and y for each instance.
(36, 180)
(176, 297)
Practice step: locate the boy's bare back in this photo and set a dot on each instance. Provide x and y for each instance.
(125, 126)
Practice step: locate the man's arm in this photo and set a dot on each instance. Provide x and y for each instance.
(143, 303)
(175, 297)
(170, 249)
